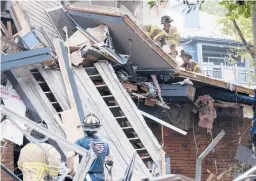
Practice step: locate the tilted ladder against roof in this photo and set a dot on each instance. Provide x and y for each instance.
(125, 113)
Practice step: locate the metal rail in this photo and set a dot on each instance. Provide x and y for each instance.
(247, 173)
(88, 156)
(8, 172)
(206, 152)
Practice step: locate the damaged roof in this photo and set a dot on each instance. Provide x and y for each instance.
(127, 37)
(145, 53)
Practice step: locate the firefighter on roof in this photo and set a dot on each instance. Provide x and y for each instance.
(39, 163)
(188, 63)
(91, 126)
(173, 38)
(168, 35)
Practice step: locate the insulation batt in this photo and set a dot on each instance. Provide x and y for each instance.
(207, 112)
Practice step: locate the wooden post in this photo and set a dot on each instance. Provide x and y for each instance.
(68, 78)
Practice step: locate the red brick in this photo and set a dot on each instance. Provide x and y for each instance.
(7, 160)
(182, 149)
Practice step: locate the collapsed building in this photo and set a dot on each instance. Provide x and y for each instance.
(67, 62)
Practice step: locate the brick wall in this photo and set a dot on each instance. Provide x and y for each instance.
(182, 149)
(183, 152)
(7, 160)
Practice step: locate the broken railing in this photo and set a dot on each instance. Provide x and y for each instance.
(206, 152)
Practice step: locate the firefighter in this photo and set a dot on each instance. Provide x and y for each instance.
(173, 38)
(39, 162)
(91, 125)
(169, 35)
(156, 34)
(188, 63)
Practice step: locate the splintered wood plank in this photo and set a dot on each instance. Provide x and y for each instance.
(110, 125)
(130, 110)
(211, 81)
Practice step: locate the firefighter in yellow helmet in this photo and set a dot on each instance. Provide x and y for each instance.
(168, 35)
(173, 38)
(39, 163)
(188, 63)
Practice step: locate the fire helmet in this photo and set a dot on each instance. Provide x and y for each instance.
(91, 124)
(166, 19)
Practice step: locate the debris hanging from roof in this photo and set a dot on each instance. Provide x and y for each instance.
(207, 112)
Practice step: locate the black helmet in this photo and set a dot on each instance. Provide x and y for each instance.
(38, 136)
(91, 124)
(166, 19)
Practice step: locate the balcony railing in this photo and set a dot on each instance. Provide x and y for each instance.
(241, 75)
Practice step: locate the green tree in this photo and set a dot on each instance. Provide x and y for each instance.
(240, 20)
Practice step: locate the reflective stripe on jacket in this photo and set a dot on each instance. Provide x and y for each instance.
(35, 164)
(154, 32)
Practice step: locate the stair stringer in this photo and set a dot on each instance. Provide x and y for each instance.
(131, 112)
(92, 98)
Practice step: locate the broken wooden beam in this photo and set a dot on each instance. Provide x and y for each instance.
(163, 123)
(68, 78)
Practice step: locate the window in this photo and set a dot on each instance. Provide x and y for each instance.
(214, 56)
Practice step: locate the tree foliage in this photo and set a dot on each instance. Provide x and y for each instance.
(236, 9)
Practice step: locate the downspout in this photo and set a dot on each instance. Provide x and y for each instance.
(253, 130)
(206, 152)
